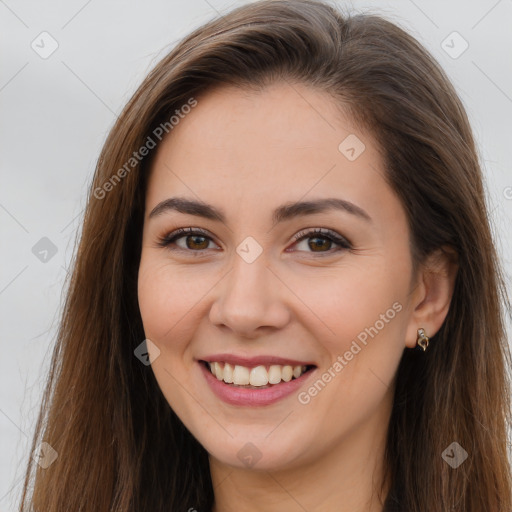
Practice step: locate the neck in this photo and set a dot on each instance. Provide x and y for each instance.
(346, 478)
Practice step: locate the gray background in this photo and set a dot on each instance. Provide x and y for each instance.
(56, 112)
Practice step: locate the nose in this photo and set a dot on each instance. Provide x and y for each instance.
(250, 300)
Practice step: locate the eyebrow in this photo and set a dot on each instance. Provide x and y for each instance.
(283, 213)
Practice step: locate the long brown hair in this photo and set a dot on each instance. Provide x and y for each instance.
(120, 446)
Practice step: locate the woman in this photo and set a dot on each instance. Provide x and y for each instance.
(286, 295)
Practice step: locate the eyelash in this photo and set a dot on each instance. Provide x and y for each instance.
(327, 234)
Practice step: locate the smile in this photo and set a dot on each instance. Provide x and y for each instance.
(257, 383)
(260, 376)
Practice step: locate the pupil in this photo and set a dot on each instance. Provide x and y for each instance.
(195, 241)
(320, 242)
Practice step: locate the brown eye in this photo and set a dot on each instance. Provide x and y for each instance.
(195, 241)
(321, 241)
(318, 243)
(186, 239)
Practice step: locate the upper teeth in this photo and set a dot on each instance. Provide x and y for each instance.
(257, 376)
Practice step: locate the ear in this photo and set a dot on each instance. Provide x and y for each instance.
(432, 293)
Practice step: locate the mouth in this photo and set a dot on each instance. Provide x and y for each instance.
(256, 377)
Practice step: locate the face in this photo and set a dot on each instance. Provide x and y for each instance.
(258, 285)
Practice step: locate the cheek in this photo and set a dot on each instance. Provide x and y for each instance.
(358, 315)
(169, 304)
(342, 302)
(167, 298)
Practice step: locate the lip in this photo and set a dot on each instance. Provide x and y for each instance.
(252, 397)
(252, 362)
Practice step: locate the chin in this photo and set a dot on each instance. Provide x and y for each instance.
(255, 451)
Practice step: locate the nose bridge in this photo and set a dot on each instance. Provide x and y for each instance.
(249, 275)
(249, 296)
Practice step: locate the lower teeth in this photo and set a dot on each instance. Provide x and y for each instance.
(249, 386)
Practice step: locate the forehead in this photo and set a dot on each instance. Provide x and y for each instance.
(282, 142)
(264, 123)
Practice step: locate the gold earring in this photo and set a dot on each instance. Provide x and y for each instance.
(422, 340)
